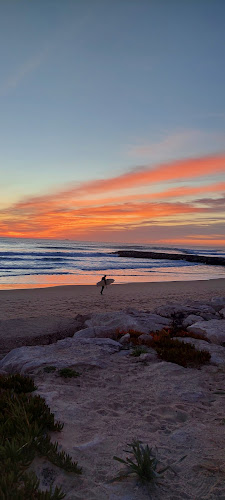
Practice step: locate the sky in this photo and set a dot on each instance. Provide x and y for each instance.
(112, 120)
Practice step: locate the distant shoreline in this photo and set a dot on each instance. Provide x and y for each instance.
(202, 259)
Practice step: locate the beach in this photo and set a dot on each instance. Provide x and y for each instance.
(84, 299)
(43, 315)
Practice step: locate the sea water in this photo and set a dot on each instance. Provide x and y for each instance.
(28, 263)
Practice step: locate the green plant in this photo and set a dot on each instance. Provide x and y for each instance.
(18, 383)
(25, 421)
(49, 369)
(68, 373)
(180, 353)
(146, 463)
(138, 350)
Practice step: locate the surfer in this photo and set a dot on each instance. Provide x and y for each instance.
(103, 286)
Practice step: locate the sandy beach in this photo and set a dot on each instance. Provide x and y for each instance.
(83, 299)
(44, 315)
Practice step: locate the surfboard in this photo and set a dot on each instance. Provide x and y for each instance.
(102, 283)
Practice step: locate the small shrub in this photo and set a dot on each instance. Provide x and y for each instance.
(18, 383)
(68, 373)
(138, 350)
(25, 421)
(180, 353)
(146, 463)
(49, 369)
(183, 333)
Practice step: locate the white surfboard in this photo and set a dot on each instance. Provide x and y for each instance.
(102, 282)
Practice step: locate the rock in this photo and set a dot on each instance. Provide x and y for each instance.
(192, 318)
(218, 302)
(145, 337)
(204, 310)
(148, 356)
(114, 321)
(217, 351)
(149, 322)
(36, 331)
(87, 333)
(125, 339)
(222, 312)
(97, 332)
(214, 330)
(69, 352)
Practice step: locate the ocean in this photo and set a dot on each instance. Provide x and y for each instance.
(34, 263)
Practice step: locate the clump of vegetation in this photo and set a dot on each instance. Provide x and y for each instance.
(68, 373)
(183, 333)
(178, 352)
(49, 369)
(17, 383)
(145, 465)
(25, 421)
(138, 350)
(168, 347)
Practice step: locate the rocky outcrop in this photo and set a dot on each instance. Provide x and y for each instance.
(218, 303)
(69, 352)
(134, 254)
(141, 321)
(206, 311)
(213, 330)
(29, 331)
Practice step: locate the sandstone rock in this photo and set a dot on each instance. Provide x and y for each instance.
(142, 322)
(87, 333)
(149, 322)
(204, 310)
(117, 320)
(192, 318)
(69, 352)
(125, 339)
(218, 302)
(145, 337)
(97, 332)
(37, 331)
(148, 356)
(222, 312)
(217, 351)
(213, 329)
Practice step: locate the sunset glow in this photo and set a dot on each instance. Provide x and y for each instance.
(111, 136)
(71, 214)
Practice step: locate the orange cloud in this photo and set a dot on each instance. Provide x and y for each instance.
(143, 176)
(86, 208)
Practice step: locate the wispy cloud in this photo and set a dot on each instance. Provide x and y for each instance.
(23, 71)
(182, 170)
(178, 142)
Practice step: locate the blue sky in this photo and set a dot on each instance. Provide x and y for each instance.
(93, 89)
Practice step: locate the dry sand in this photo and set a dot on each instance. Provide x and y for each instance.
(45, 315)
(70, 300)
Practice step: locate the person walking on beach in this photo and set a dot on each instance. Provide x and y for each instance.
(103, 286)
